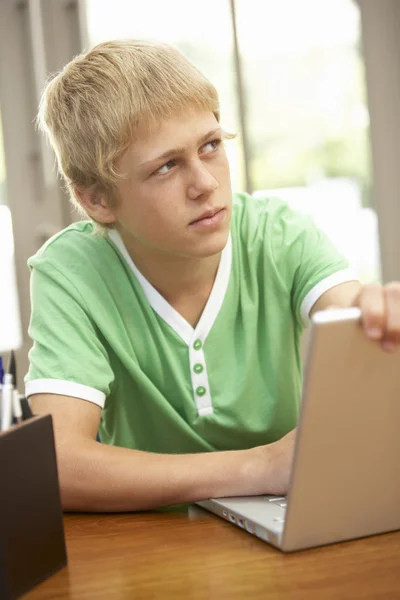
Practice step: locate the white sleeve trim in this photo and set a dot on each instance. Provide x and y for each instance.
(65, 388)
(322, 287)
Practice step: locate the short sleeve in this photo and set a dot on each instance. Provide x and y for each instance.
(67, 356)
(307, 259)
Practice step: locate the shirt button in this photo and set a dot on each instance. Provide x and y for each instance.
(198, 368)
(197, 345)
(200, 391)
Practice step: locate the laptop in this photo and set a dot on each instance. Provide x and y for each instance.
(345, 479)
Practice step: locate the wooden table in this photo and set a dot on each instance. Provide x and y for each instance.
(191, 553)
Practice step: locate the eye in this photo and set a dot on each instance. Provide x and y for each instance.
(164, 169)
(211, 146)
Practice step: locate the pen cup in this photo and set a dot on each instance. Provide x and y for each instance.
(32, 543)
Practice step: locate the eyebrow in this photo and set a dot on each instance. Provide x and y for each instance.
(175, 151)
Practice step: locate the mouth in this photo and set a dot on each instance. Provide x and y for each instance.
(209, 214)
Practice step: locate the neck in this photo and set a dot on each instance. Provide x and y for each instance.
(174, 277)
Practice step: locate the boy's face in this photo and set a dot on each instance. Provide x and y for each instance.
(176, 198)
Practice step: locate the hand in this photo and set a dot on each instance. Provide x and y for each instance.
(275, 465)
(380, 308)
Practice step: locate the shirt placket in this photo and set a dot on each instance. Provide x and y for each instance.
(199, 377)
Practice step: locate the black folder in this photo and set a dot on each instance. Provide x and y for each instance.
(32, 542)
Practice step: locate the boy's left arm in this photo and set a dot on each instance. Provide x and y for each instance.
(380, 308)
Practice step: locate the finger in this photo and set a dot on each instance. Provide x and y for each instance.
(391, 337)
(373, 310)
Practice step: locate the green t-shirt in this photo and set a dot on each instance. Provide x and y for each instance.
(102, 333)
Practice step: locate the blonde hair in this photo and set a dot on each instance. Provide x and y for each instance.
(94, 108)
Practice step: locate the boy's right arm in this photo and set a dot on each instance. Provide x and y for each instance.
(98, 477)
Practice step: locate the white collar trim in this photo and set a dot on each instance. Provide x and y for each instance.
(167, 312)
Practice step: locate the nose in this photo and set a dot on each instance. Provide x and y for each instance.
(201, 181)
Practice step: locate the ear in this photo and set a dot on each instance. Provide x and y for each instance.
(95, 205)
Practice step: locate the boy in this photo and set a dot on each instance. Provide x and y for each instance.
(170, 320)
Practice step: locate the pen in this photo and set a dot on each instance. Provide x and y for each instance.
(7, 402)
(1, 384)
(17, 409)
(25, 408)
(1, 375)
(12, 402)
(16, 405)
(12, 368)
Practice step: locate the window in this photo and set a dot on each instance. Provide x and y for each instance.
(307, 117)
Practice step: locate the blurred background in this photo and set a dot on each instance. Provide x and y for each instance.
(312, 87)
